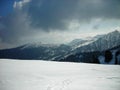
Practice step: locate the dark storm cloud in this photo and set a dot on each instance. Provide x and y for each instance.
(13, 27)
(55, 14)
(51, 15)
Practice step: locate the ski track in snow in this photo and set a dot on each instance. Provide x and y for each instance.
(48, 75)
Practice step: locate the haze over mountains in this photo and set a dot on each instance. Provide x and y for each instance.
(78, 50)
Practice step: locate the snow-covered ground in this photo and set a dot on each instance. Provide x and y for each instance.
(48, 75)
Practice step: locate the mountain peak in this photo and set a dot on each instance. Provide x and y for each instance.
(116, 31)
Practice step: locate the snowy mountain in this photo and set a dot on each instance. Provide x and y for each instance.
(38, 44)
(109, 56)
(95, 52)
(76, 43)
(98, 36)
(105, 42)
(79, 50)
(36, 51)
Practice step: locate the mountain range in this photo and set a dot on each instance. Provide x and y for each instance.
(79, 50)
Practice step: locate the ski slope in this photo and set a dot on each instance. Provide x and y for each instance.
(48, 75)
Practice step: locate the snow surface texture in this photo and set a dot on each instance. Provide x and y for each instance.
(48, 75)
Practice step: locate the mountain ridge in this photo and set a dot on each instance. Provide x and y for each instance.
(87, 48)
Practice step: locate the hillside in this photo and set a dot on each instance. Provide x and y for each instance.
(78, 50)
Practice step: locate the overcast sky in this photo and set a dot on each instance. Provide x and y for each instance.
(55, 21)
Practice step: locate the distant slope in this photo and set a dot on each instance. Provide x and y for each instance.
(79, 50)
(109, 56)
(42, 51)
(76, 43)
(105, 42)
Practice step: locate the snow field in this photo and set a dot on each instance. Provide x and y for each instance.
(48, 75)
